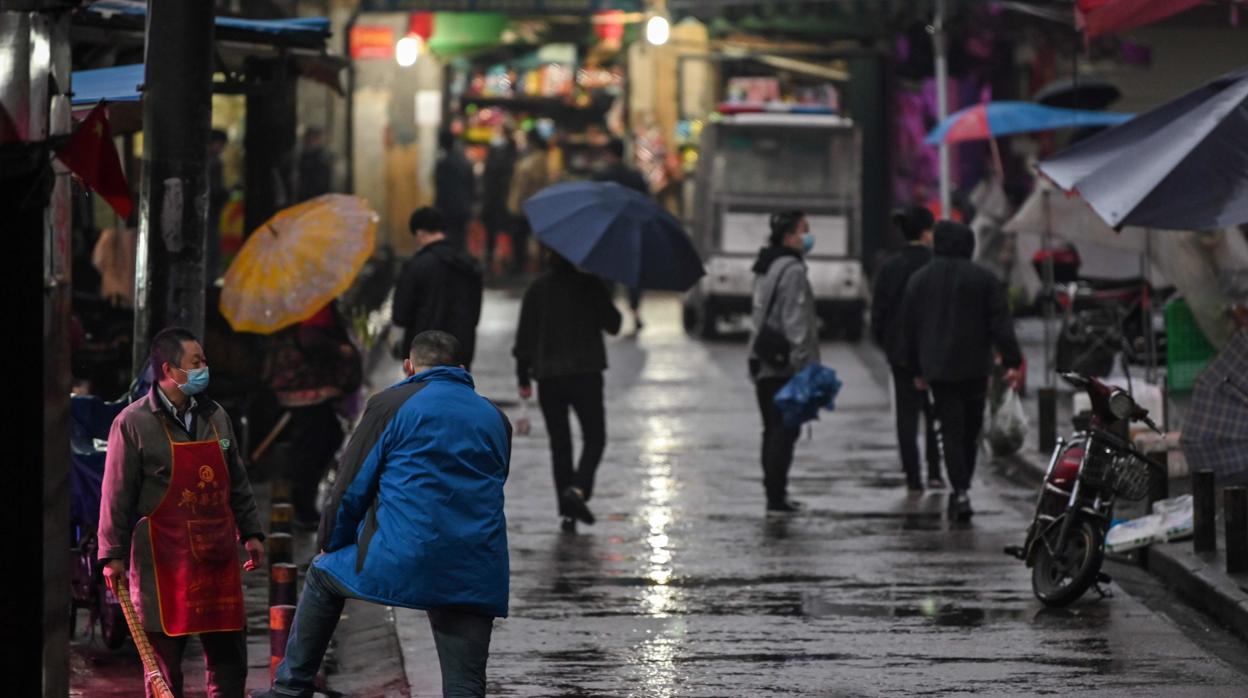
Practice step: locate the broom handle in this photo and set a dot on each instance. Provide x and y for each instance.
(151, 668)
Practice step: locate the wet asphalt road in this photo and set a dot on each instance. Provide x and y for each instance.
(685, 588)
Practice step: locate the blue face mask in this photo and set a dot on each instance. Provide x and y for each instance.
(808, 243)
(196, 381)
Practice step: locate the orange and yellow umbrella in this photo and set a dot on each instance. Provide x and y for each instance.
(296, 263)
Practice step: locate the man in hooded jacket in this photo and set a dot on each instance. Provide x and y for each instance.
(440, 288)
(887, 324)
(955, 314)
(785, 302)
(415, 520)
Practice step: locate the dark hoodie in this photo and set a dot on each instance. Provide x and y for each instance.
(440, 289)
(956, 313)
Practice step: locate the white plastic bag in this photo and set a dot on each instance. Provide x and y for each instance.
(1133, 534)
(1007, 432)
(524, 424)
(1176, 517)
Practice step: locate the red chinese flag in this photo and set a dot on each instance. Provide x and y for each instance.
(91, 155)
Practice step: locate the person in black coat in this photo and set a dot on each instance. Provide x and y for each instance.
(614, 169)
(440, 288)
(955, 314)
(915, 223)
(500, 164)
(454, 185)
(559, 343)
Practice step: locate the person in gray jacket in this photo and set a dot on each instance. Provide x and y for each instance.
(784, 302)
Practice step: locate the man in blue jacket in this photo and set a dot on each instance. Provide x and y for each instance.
(415, 520)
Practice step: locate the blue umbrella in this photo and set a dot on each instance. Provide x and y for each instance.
(616, 233)
(813, 388)
(983, 121)
(1183, 165)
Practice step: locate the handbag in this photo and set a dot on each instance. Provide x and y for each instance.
(770, 345)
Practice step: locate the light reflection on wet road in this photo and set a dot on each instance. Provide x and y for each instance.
(684, 588)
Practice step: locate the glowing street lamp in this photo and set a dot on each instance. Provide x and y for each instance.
(658, 30)
(407, 50)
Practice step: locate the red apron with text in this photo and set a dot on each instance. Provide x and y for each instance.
(195, 544)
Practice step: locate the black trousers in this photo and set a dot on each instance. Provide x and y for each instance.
(911, 403)
(960, 409)
(520, 232)
(778, 440)
(225, 662)
(316, 435)
(583, 395)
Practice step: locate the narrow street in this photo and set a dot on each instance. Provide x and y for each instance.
(684, 587)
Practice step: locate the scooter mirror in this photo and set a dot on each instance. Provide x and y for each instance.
(1122, 406)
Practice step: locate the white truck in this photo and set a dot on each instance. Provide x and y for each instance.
(752, 165)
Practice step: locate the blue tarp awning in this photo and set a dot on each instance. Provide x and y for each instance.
(314, 29)
(117, 84)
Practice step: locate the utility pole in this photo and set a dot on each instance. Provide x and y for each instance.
(942, 104)
(173, 203)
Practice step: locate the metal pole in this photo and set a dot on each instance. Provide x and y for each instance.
(1147, 310)
(1050, 289)
(173, 219)
(942, 104)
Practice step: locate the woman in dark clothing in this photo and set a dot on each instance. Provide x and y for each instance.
(559, 343)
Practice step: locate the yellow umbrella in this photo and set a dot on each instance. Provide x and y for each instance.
(297, 262)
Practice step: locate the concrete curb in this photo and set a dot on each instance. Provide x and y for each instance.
(1199, 578)
(368, 660)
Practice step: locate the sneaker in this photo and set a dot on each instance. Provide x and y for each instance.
(936, 484)
(574, 502)
(960, 507)
(787, 506)
(568, 525)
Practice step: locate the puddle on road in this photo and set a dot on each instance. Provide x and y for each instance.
(946, 615)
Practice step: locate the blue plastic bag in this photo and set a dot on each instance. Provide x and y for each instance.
(800, 400)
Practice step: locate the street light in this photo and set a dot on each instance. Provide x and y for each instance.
(658, 30)
(407, 50)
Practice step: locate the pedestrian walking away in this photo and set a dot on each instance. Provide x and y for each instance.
(500, 165)
(915, 224)
(531, 175)
(415, 520)
(785, 340)
(311, 367)
(440, 288)
(955, 314)
(454, 185)
(173, 466)
(315, 166)
(614, 169)
(559, 344)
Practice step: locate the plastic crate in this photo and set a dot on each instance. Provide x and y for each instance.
(1187, 349)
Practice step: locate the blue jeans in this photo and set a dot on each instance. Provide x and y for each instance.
(462, 639)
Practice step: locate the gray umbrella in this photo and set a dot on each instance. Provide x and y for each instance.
(1215, 432)
(1183, 165)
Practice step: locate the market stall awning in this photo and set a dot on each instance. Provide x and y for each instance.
(304, 31)
(521, 7)
(1098, 17)
(117, 84)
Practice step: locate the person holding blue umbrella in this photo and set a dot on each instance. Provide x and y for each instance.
(559, 344)
(785, 340)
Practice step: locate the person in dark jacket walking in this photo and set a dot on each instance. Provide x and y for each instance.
(616, 170)
(785, 302)
(500, 165)
(315, 165)
(915, 223)
(955, 314)
(559, 343)
(415, 520)
(440, 288)
(454, 186)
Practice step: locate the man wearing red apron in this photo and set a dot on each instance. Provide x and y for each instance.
(174, 467)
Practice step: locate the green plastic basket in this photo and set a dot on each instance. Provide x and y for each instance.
(1187, 349)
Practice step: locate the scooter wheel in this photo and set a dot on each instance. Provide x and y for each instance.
(1059, 577)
